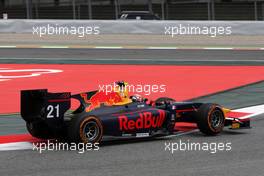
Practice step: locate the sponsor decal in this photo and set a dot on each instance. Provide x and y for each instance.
(126, 135)
(101, 97)
(142, 134)
(146, 120)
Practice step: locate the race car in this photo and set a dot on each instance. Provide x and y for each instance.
(115, 113)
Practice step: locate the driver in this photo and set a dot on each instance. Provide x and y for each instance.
(136, 98)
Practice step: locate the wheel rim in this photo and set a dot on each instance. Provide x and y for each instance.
(216, 119)
(91, 130)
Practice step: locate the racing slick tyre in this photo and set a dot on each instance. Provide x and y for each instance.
(210, 119)
(39, 130)
(85, 129)
(164, 100)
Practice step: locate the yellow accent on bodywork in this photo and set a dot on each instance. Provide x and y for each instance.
(124, 101)
(235, 125)
(226, 110)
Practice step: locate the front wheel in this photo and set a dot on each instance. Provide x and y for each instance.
(210, 119)
(87, 129)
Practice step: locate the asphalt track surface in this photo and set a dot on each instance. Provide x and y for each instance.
(132, 56)
(145, 157)
(148, 157)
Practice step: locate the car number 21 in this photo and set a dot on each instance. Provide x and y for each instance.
(53, 111)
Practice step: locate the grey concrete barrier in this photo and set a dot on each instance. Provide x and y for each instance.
(135, 27)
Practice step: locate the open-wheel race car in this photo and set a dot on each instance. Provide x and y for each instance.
(99, 114)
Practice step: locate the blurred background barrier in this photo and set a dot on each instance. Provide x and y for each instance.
(111, 9)
(214, 23)
(154, 27)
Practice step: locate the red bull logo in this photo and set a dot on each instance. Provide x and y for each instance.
(101, 98)
(145, 120)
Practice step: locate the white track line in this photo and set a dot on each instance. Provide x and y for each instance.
(253, 110)
(219, 48)
(16, 146)
(55, 47)
(6, 46)
(166, 48)
(108, 47)
(136, 47)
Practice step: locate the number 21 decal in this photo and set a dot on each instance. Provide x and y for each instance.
(53, 111)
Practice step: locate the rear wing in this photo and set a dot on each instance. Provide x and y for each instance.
(41, 105)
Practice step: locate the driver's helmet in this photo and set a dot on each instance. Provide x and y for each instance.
(136, 98)
(122, 89)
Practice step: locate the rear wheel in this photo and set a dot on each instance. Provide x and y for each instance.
(210, 119)
(87, 129)
(39, 130)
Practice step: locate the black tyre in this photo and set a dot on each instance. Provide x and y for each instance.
(39, 130)
(210, 119)
(85, 129)
(163, 100)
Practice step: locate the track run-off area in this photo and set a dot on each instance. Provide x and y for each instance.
(179, 82)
